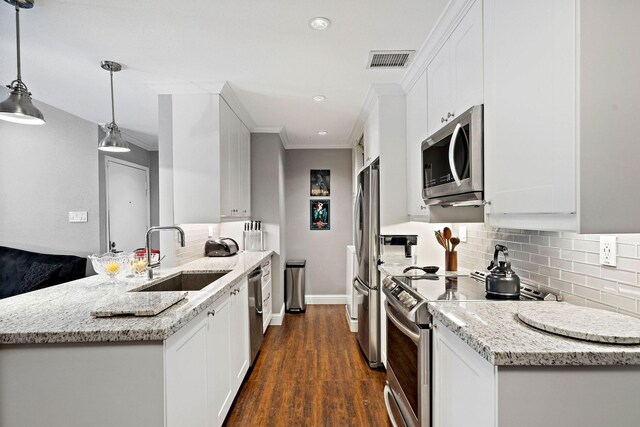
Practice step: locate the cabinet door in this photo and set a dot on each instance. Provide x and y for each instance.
(439, 90)
(267, 310)
(530, 154)
(219, 341)
(234, 164)
(465, 46)
(226, 168)
(372, 135)
(244, 170)
(240, 333)
(463, 383)
(416, 133)
(186, 366)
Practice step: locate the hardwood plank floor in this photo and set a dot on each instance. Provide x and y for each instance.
(310, 372)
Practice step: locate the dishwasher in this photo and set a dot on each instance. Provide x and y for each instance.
(255, 312)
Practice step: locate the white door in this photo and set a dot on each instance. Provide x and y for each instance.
(439, 90)
(127, 204)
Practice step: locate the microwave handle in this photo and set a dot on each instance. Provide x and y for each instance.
(452, 147)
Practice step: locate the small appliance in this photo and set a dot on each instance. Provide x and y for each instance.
(224, 246)
(398, 249)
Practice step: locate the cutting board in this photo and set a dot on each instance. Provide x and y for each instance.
(136, 303)
(583, 323)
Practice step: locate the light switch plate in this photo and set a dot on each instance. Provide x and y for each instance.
(78, 216)
(462, 231)
(608, 250)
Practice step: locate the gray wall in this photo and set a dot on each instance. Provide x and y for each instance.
(45, 172)
(325, 251)
(268, 203)
(141, 157)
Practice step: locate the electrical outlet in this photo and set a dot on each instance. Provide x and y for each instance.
(608, 250)
(78, 216)
(462, 231)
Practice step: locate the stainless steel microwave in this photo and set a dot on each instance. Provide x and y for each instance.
(452, 163)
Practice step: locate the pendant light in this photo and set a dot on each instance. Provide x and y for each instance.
(18, 108)
(113, 142)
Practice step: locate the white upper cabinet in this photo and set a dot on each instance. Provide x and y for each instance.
(416, 133)
(372, 135)
(559, 101)
(454, 76)
(235, 166)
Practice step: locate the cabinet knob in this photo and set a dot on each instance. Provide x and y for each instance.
(423, 207)
(212, 313)
(449, 114)
(442, 120)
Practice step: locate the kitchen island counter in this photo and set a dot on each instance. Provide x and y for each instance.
(61, 314)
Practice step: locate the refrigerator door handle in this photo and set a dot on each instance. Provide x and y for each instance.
(360, 287)
(357, 237)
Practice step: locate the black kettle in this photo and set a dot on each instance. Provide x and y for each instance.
(502, 282)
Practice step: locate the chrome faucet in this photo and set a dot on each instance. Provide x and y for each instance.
(151, 266)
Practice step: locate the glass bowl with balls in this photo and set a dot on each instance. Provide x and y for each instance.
(112, 265)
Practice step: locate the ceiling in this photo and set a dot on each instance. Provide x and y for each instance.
(264, 49)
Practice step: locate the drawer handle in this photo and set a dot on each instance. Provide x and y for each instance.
(212, 313)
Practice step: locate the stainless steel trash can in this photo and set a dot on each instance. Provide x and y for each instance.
(294, 286)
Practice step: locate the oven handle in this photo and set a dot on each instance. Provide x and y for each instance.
(387, 396)
(452, 147)
(360, 287)
(408, 332)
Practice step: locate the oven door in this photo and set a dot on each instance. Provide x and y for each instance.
(452, 159)
(408, 368)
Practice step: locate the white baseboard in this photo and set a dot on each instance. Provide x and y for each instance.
(278, 318)
(353, 323)
(326, 299)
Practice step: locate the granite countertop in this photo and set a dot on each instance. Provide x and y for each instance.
(61, 314)
(494, 331)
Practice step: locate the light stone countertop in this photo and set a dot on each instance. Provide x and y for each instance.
(62, 313)
(494, 331)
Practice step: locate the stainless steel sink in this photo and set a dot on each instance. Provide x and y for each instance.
(183, 282)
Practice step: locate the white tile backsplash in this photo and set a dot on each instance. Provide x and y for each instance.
(566, 262)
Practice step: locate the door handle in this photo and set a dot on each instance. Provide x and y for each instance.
(452, 147)
(360, 287)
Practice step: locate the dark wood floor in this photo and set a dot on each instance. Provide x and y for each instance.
(310, 372)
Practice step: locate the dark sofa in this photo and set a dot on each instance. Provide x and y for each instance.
(24, 271)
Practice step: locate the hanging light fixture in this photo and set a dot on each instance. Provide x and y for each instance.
(113, 141)
(18, 108)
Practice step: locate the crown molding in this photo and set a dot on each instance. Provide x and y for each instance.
(320, 145)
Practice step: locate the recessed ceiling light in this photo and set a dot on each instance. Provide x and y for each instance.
(322, 132)
(319, 98)
(319, 23)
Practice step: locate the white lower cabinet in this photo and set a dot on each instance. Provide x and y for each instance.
(206, 361)
(467, 390)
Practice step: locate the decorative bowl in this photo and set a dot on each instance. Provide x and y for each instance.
(111, 264)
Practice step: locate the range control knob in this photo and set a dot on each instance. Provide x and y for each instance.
(412, 303)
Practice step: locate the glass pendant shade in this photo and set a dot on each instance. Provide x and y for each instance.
(113, 141)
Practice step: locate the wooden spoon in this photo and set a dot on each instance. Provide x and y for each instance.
(440, 239)
(454, 242)
(446, 233)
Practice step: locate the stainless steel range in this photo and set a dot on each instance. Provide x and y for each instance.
(408, 390)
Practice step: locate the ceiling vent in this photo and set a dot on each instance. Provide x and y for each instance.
(389, 58)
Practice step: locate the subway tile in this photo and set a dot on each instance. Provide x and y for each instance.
(572, 277)
(540, 240)
(539, 279)
(591, 237)
(573, 299)
(550, 272)
(570, 235)
(517, 264)
(629, 291)
(573, 255)
(532, 249)
(531, 232)
(593, 259)
(561, 264)
(629, 238)
(602, 284)
(588, 269)
(550, 233)
(586, 246)
(585, 292)
(619, 275)
(561, 285)
(550, 252)
(520, 238)
(629, 313)
(522, 256)
(619, 301)
(600, 306)
(628, 264)
(627, 250)
(540, 259)
(561, 243)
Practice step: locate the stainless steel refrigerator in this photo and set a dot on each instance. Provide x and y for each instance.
(367, 280)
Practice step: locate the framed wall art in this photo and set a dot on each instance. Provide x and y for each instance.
(320, 214)
(320, 182)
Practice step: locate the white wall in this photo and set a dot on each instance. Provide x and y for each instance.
(45, 172)
(324, 250)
